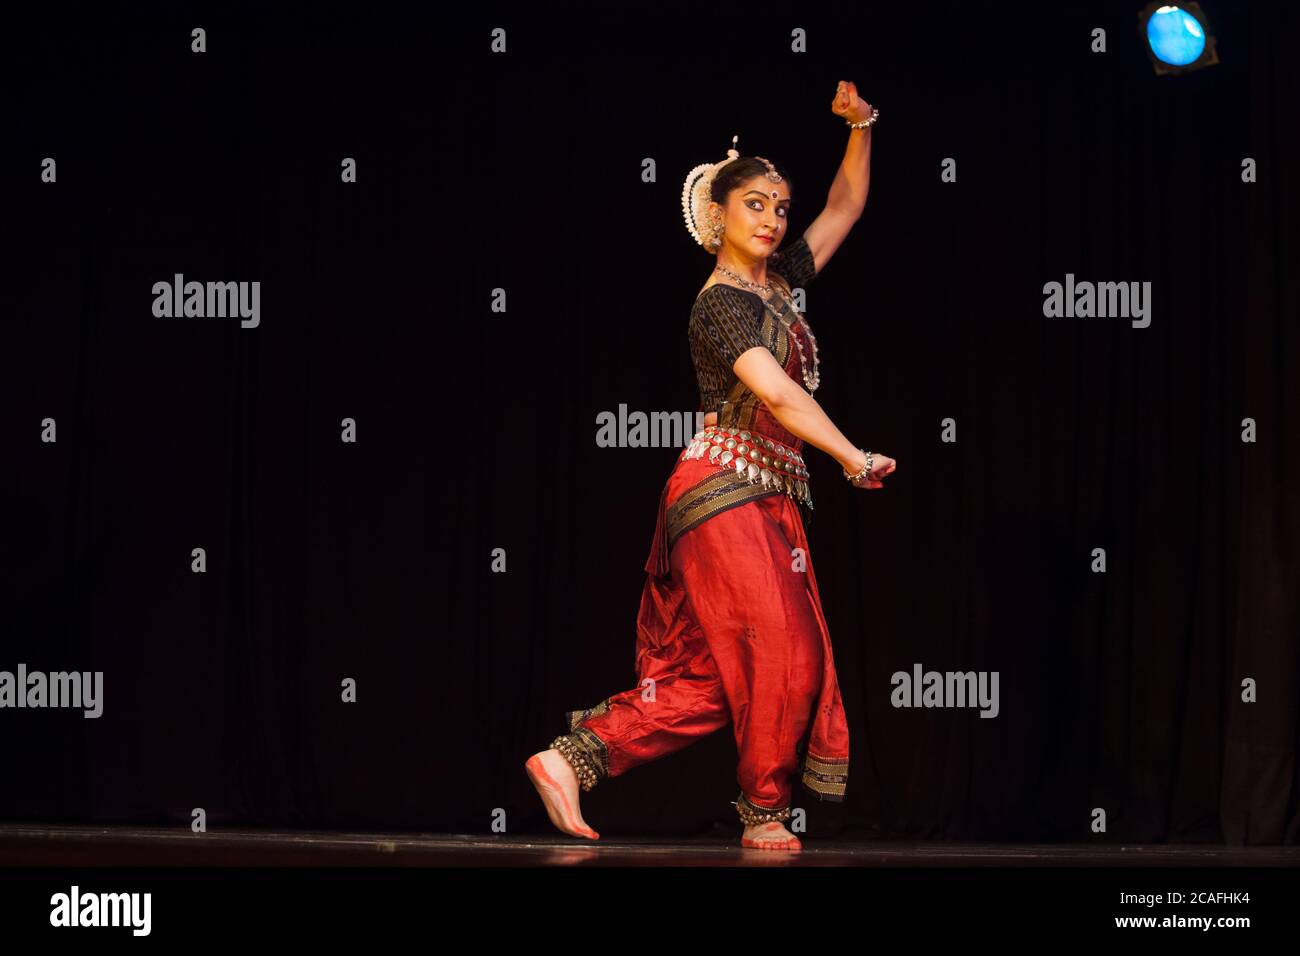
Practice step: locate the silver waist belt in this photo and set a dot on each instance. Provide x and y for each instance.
(753, 457)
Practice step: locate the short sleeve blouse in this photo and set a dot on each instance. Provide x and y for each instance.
(725, 321)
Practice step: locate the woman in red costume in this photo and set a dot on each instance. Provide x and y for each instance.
(730, 628)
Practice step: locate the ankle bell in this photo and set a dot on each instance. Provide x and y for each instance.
(751, 815)
(583, 764)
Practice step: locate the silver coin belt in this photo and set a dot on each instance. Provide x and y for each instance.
(754, 458)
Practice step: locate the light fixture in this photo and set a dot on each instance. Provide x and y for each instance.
(1177, 37)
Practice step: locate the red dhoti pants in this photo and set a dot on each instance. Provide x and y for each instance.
(730, 629)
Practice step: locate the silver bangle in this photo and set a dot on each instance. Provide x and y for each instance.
(866, 469)
(864, 124)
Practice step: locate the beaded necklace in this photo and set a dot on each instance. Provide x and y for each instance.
(765, 291)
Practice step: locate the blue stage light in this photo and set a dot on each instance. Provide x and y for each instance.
(1175, 36)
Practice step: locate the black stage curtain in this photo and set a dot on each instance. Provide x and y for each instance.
(476, 429)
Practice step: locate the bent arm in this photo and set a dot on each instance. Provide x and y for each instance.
(796, 410)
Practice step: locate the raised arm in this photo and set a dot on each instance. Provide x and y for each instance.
(848, 194)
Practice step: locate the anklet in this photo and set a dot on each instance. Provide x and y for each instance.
(751, 815)
(577, 750)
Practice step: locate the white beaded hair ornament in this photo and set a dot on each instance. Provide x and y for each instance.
(697, 194)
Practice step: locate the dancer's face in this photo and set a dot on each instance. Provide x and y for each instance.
(754, 218)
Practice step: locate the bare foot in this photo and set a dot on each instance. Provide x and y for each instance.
(557, 785)
(769, 836)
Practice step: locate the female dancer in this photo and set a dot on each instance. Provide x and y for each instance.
(730, 626)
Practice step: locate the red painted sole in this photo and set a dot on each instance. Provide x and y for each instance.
(787, 845)
(543, 781)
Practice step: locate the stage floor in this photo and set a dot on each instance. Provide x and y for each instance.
(39, 845)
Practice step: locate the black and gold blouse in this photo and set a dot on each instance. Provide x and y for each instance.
(725, 322)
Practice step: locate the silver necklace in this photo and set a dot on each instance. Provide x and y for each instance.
(811, 382)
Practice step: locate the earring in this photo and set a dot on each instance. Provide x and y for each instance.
(716, 229)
